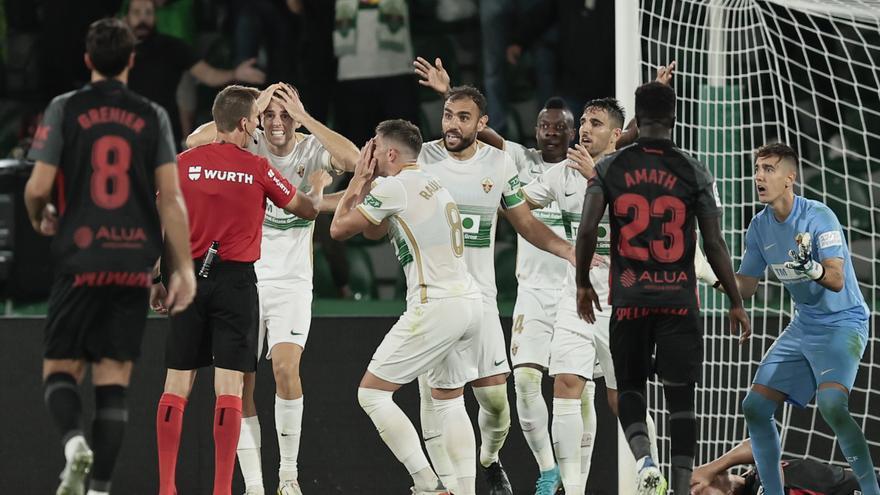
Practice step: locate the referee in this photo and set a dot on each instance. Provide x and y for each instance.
(225, 188)
(101, 154)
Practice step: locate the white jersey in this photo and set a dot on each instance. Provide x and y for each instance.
(536, 268)
(426, 232)
(480, 185)
(286, 258)
(566, 187)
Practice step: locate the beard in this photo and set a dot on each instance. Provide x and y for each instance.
(143, 31)
(462, 143)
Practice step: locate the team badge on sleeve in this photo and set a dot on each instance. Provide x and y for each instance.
(830, 239)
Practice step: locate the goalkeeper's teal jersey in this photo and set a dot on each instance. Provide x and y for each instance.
(767, 244)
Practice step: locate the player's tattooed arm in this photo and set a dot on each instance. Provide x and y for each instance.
(538, 234)
(38, 197)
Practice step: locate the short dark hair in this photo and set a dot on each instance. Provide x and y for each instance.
(231, 105)
(611, 106)
(402, 132)
(461, 92)
(655, 101)
(780, 150)
(109, 44)
(557, 103)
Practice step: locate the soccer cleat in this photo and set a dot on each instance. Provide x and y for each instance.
(497, 480)
(73, 478)
(650, 480)
(549, 482)
(441, 491)
(289, 488)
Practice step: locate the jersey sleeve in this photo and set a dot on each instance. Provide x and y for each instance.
(165, 149)
(517, 153)
(48, 140)
(708, 203)
(511, 195)
(753, 262)
(387, 198)
(276, 187)
(540, 191)
(827, 234)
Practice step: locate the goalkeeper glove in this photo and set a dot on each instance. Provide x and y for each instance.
(802, 260)
(703, 270)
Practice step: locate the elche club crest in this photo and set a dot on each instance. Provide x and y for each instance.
(487, 185)
(301, 171)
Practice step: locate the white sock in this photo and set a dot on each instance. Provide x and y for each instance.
(652, 436)
(568, 431)
(588, 413)
(249, 443)
(96, 492)
(533, 415)
(432, 433)
(494, 421)
(460, 443)
(288, 426)
(399, 435)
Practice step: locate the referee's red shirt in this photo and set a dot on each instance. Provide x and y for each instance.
(225, 188)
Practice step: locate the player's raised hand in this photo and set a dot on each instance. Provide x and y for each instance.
(432, 76)
(181, 290)
(247, 72)
(740, 324)
(365, 168)
(802, 258)
(701, 479)
(288, 97)
(579, 159)
(599, 261)
(665, 73)
(586, 300)
(49, 220)
(266, 96)
(319, 180)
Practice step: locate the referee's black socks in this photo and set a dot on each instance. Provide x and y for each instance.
(683, 430)
(108, 428)
(61, 394)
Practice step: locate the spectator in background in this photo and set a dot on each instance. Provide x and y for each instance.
(585, 60)
(495, 19)
(372, 42)
(161, 60)
(268, 30)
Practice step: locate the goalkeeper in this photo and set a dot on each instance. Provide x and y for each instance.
(803, 244)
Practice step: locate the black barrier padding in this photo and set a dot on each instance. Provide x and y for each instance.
(340, 453)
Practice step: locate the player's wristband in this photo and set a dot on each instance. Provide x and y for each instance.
(816, 271)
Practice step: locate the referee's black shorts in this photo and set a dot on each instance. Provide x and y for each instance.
(677, 334)
(220, 326)
(93, 323)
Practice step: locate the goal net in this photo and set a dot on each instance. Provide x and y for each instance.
(804, 72)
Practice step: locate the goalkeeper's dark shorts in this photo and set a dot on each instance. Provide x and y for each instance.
(674, 335)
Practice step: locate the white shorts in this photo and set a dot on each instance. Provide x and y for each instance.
(285, 316)
(602, 341)
(438, 338)
(533, 317)
(491, 348)
(572, 350)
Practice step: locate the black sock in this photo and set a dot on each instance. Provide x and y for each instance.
(683, 431)
(632, 407)
(108, 429)
(61, 394)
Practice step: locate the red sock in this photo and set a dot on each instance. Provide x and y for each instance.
(227, 427)
(169, 422)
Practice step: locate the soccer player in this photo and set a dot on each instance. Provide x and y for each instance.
(438, 334)
(802, 476)
(654, 192)
(284, 273)
(481, 179)
(103, 151)
(802, 242)
(226, 188)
